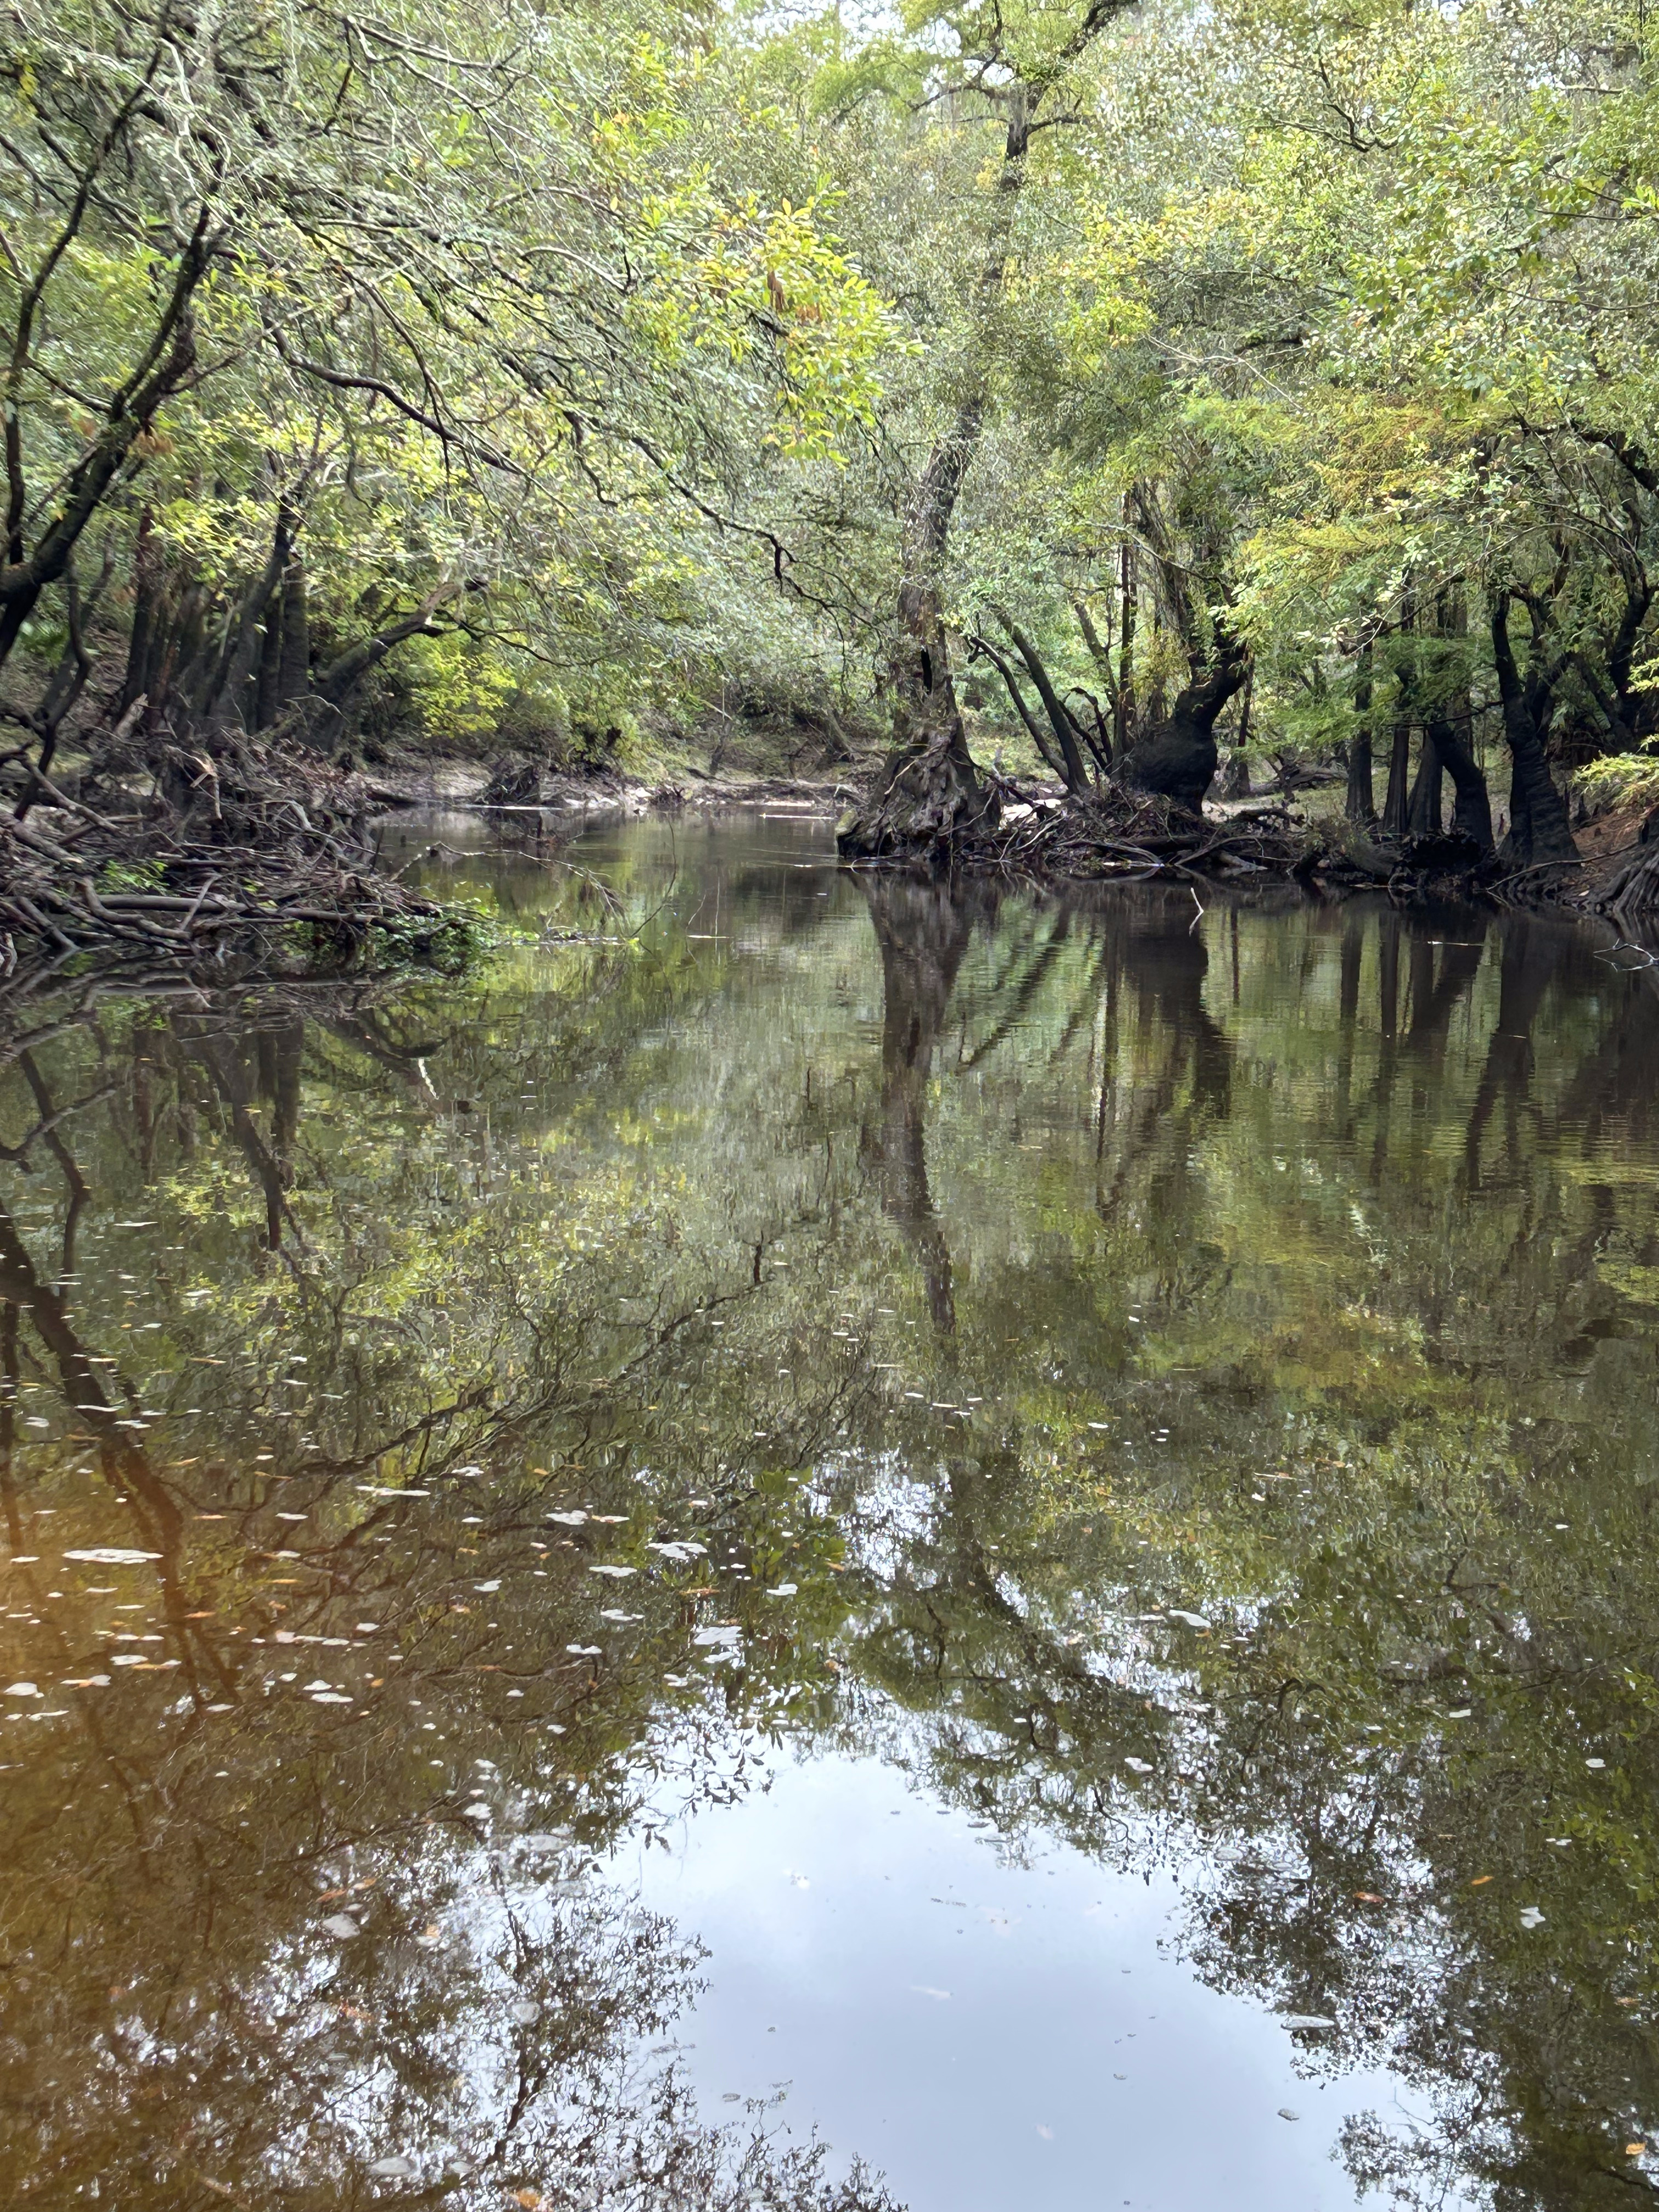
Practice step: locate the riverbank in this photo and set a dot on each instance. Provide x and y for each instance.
(477, 784)
(275, 864)
(1046, 833)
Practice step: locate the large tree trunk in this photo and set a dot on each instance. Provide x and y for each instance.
(1539, 833)
(293, 662)
(1396, 807)
(266, 692)
(1361, 806)
(1178, 757)
(930, 771)
(147, 585)
(930, 765)
(1448, 730)
(1124, 726)
(1472, 805)
(1060, 719)
(1427, 802)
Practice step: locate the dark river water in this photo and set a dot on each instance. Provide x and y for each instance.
(823, 1543)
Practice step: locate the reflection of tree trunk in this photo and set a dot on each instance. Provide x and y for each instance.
(230, 1080)
(156, 1520)
(923, 930)
(1530, 956)
(10, 1376)
(1387, 995)
(279, 1051)
(1347, 1019)
(1434, 1000)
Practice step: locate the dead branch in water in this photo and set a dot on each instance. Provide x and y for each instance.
(234, 844)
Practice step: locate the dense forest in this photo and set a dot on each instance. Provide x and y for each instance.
(1141, 397)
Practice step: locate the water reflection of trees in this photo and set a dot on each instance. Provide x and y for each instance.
(1305, 1269)
(328, 1585)
(1351, 1461)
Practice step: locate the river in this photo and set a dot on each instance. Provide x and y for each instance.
(827, 1542)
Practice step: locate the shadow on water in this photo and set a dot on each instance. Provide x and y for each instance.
(1179, 1384)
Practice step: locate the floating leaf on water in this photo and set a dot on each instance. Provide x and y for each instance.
(112, 1555)
(330, 1697)
(21, 1689)
(486, 1589)
(341, 1925)
(1531, 1917)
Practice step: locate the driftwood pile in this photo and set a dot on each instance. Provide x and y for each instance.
(226, 850)
(1134, 836)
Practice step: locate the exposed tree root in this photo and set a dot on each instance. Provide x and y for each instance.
(928, 804)
(1633, 895)
(258, 851)
(1111, 833)
(1132, 836)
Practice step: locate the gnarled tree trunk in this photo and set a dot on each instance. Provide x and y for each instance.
(1178, 757)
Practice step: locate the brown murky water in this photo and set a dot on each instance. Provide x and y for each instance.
(1032, 1514)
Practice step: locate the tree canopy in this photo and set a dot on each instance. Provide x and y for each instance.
(1061, 383)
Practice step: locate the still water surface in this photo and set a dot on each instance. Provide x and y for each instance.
(823, 1543)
